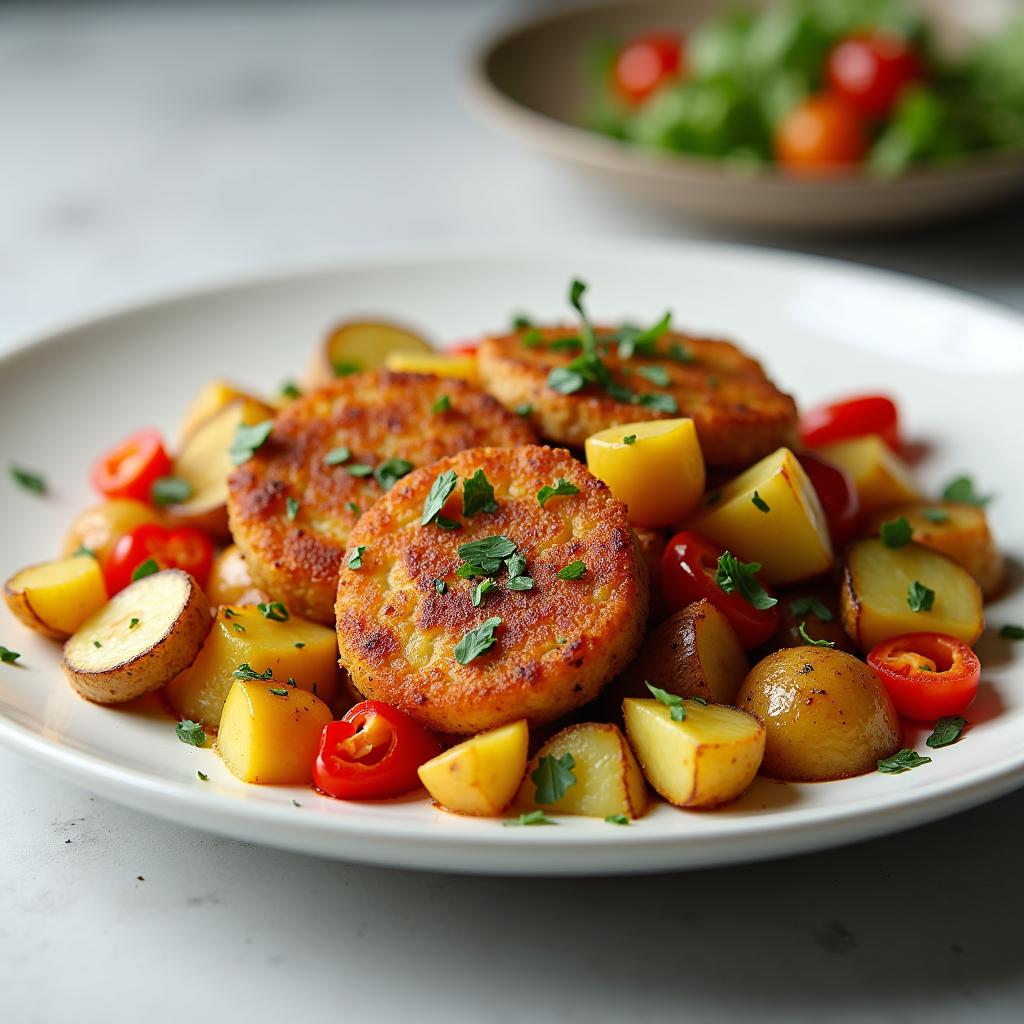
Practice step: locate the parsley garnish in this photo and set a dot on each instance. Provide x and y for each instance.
(238, 627)
(947, 730)
(629, 439)
(935, 515)
(759, 503)
(30, 481)
(520, 583)
(810, 640)
(477, 495)
(962, 490)
(289, 389)
(299, 644)
(733, 575)
(896, 532)
(616, 819)
(524, 409)
(553, 778)
(440, 586)
(677, 712)
(248, 439)
(481, 589)
(444, 523)
(274, 610)
(659, 401)
(533, 818)
(277, 691)
(1012, 632)
(635, 341)
(532, 338)
(573, 571)
(919, 597)
(190, 732)
(147, 568)
(7, 656)
(359, 469)
(443, 404)
(801, 606)
(170, 490)
(521, 323)
(387, 474)
(346, 367)
(291, 508)
(680, 354)
(565, 381)
(562, 488)
(203, 777)
(657, 375)
(336, 456)
(487, 553)
(355, 560)
(96, 644)
(440, 491)
(134, 622)
(477, 641)
(901, 761)
(246, 671)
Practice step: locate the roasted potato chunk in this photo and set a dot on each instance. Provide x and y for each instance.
(882, 479)
(827, 715)
(55, 598)
(213, 397)
(358, 346)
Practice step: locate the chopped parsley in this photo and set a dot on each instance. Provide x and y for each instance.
(353, 508)
(759, 503)
(810, 640)
(346, 367)
(291, 508)
(299, 644)
(355, 559)
(146, 568)
(935, 515)
(947, 730)
(680, 354)
(901, 761)
(273, 610)
(440, 491)
(359, 469)
(487, 553)
(919, 597)
(248, 439)
(520, 583)
(521, 322)
(443, 404)
(562, 488)
(962, 490)
(677, 711)
(134, 622)
(336, 456)
(477, 641)
(481, 589)
(629, 439)
(531, 818)
(444, 523)
(170, 490)
(477, 495)
(387, 474)
(896, 532)
(190, 732)
(247, 672)
(440, 586)
(524, 409)
(96, 644)
(659, 401)
(573, 571)
(657, 375)
(532, 338)
(616, 819)
(277, 691)
(802, 606)
(733, 576)
(637, 341)
(238, 627)
(553, 778)
(290, 390)
(203, 777)
(32, 482)
(7, 656)
(1012, 632)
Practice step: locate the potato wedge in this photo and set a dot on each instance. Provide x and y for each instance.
(360, 345)
(875, 599)
(205, 463)
(55, 598)
(479, 776)
(693, 653)
(659, 474)
(827, 715)
(99, 528)
(270, 732)
(230, 581)
(784, 529)
(608, 779)
(881, 477)
(709, 758)
(141, 638)
(435, 364)
(959, 531)
(295, 649)
(214, 396)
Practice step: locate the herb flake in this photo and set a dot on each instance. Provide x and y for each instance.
(674, 703)
(190, 732)
(919, 597)
(553, 778)
(563, 488)
(901, 761)
(477, 495)
(170, 490)
(248, 439)
(32, 482)
(947, 731)
(896, 532)
(440, 491)
(477, 641)
(573, 571)
(732, 575)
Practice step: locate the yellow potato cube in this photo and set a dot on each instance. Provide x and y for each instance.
(707, 759)
(881, 478)
(55, 598)
(481, 775)
(214, 396)
(270, 733)
(659, 474)
(608, 779)
(296, 649)
(783, 527)
(436, 364)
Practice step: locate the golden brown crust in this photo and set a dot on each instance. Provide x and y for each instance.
(557, 645)
(377, 416)
(740, 415)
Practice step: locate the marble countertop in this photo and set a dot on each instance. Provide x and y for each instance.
(152, 147)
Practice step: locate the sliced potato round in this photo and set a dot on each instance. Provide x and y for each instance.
(142, 638)
(360, 345)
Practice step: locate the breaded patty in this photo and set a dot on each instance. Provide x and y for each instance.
(402, 612)
(739, 414)
(291, 506)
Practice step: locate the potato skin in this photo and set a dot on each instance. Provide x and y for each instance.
(827, 715)
(377, 416)
(558, 643)
(740, 415)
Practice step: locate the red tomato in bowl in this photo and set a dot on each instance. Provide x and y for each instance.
(850, 418)
(837, 494)
(647, 63)
(871, 71)
(820, 134)
(183, 548)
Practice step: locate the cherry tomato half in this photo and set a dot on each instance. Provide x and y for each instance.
(871, 71)
(372, 753)
(838, 497)
(182, 548)
(467, 348)
(646, 63)
(850, 418)
(928, 675)
(131, 467)
(688, 568)
(820, 134)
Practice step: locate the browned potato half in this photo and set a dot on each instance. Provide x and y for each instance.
(143, 637)
(954, 529)
(817, 609)
(881, 478)
(55, 598)
(693, 653)
(608, 781)
(230, 580)
(827, 715)
(360, 345)
(878, 600)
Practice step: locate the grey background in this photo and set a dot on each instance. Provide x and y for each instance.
(150, 147)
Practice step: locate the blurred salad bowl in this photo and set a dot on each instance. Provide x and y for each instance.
(801, 115)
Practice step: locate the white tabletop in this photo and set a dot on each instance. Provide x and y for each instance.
(153, 147)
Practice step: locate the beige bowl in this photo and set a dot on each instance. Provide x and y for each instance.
(531, 82)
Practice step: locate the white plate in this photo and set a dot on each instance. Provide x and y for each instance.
(823, 328)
